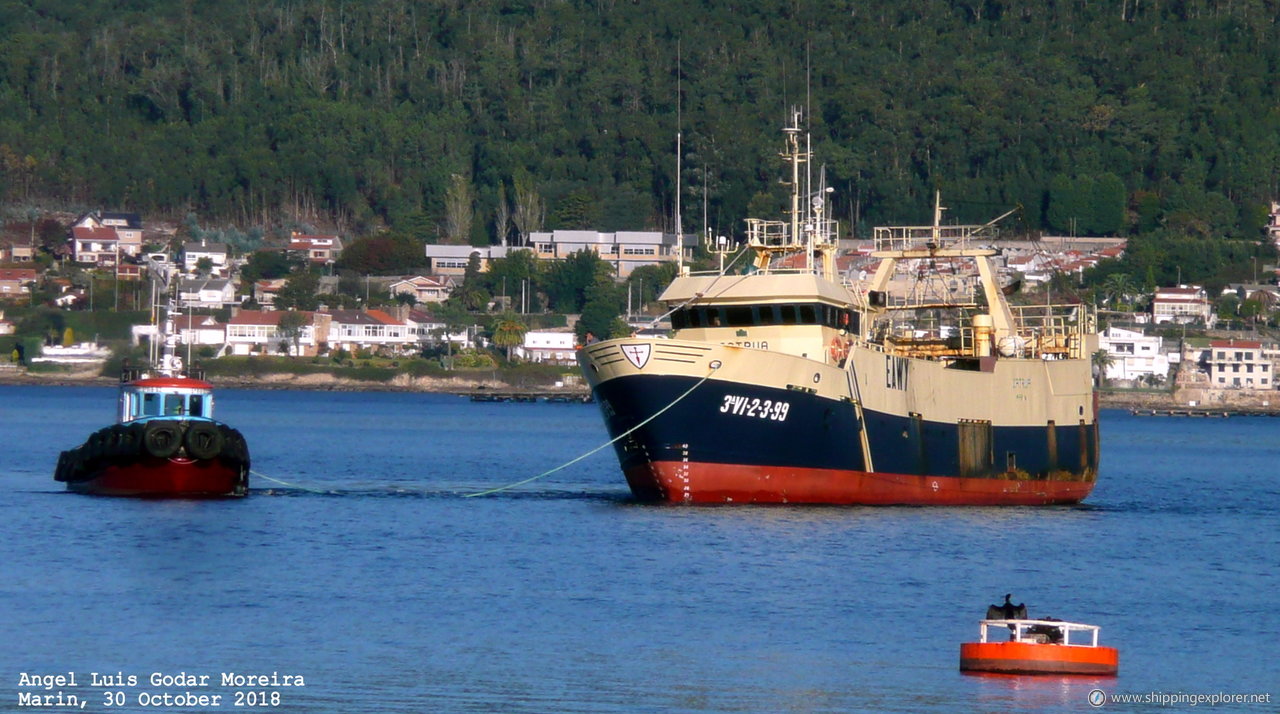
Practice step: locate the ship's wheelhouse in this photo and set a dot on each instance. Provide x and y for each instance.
(807, 313)
(165, 398)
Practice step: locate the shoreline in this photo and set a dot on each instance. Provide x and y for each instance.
(466, 385)
(306, 382)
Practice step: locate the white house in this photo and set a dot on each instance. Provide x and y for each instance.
(625, 250)
(206, 292)
(250, 331)
(1183, 304)
(102, 237)
(200, 330)
(369, 329)
(317, 249)
(215, 252)
(1239, 364)
(128, 227)
(99, 245)
(551, 346)
(1133, 354)
(424, 288)
(428, 330)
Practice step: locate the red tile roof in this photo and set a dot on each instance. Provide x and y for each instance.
(1243, 344)
(261, 317)
(99, 234)
(383, 317)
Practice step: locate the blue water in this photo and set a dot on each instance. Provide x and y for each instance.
(373, 578)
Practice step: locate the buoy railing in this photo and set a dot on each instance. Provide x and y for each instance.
(1028, 630)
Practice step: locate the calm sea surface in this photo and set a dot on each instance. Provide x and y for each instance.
(371, 576)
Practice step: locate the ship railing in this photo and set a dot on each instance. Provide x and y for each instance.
(1042, 631)
(769, 234)
(763, 233)
(893, 238)
(1040, 331)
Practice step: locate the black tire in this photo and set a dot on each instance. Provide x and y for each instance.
(60, 473)
(162, 439)
(204, 441)
(131, 439)
(96, 444)
(236, 448)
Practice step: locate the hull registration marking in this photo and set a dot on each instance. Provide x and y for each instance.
(755, 407)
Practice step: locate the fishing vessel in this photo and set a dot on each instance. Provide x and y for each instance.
(165, 442)
(1046, 646)
(784, 383)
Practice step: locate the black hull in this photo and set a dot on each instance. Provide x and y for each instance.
(715, 424)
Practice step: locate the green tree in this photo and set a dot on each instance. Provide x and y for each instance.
(508, 333)
(1227, 305)
(299, 292)
(1102, 360)
(459, 210)
(1250, 309)
(1069, 211)
(1107, 202)
(383, 254)
(567, 281)
(649, 281)
(577, 210)
(506, 276)
(529, 208)
(454, 319)
(290, 328)
(204, 266)
(472, 293)
(265, 265)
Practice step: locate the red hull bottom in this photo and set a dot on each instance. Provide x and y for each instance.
(1027, 658)
(690, 482)
(166, 478)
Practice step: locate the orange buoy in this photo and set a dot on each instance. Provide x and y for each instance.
(1040, 647)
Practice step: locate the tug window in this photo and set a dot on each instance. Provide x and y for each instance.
(173, 405)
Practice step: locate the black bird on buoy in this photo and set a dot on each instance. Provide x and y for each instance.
(1007, 611)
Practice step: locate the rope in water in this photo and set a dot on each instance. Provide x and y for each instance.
(286, 483)
(544, 474)
(598, 448)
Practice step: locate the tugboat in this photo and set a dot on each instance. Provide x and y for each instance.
(783, 383)
(1037, 647)
(166, 443)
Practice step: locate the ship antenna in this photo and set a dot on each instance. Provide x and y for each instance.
(810, 218)
(679, 122)
(793, 142)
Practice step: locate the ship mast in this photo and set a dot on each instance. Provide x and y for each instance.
(807, 229)
(164, 291)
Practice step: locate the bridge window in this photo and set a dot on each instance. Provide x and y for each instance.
(764, 315)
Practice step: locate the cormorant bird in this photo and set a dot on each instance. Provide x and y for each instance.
(1007, 611)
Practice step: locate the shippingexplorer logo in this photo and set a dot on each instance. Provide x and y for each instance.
(1099, 698)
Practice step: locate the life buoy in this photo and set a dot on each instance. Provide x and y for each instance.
(204, 441)
(162, 439)
(839, 349)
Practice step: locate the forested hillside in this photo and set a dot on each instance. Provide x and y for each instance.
(473, 121)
